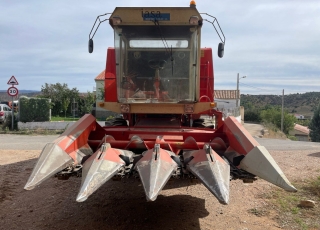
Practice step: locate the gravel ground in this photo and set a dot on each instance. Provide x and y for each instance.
(122, 204)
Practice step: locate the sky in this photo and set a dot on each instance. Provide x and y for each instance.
(275, 44)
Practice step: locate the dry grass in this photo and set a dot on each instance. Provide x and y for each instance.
(290, 215)
(273, 132)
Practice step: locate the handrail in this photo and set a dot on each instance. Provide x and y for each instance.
(98, 18)
(215, 20)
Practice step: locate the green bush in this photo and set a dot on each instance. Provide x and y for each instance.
(252, 115)
(314, 125)
(7, 125)
(293, 138)
(273, 115)
(34, 109)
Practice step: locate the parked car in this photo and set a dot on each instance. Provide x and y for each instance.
(4, 112)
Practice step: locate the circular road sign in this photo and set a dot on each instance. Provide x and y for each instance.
(12, 91)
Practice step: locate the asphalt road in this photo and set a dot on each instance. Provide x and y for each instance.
(25, 142)
(28, 142)
(277, 144)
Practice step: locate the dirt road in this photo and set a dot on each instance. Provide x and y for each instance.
(122, 204)
(254, 129)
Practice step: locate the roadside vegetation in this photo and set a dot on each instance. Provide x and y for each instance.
(266, 109)
(67, 102)
(270, 117)
(57, 118)
(290, 214)
(298, 103)
(31, 131)
(6, 127)
(314, 125)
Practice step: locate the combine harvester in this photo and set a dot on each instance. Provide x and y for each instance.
(161, 81)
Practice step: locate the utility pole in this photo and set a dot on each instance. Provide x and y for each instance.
(237, 103)
(73, 108)
(282, 110)
(238, 93)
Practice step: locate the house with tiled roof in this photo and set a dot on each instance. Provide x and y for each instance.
(100, 77)
(299, 116)
(99, 112)
(300, 132)
(225, 98)
(227, 103)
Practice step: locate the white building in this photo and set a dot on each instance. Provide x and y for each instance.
(99, 112)
(300, 132)
(227, 103)
(299, 116)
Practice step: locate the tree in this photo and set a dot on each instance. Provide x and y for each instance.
(86, 103)
(59, 94)
(314, 125)
(100, 92)
(252, 115)
(65, 104)
(273, 115)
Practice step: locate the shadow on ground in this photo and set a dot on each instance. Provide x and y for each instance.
(116, 205)
(317, 154)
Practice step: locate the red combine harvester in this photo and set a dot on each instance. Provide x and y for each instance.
(161, 81)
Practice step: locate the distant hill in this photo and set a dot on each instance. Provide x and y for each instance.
(22, 91)
(300, 103)
(29, 93)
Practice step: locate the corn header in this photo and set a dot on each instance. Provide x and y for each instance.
(162, 83)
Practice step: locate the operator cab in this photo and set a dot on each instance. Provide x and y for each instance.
(156, 57)
(156, 68)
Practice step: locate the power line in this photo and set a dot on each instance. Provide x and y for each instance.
(291, 90)
(251, 86)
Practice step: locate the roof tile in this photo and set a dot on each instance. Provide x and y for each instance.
(101, 76)
(301, 128)
(225, 94)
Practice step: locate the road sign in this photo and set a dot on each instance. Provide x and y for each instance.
(12, 91)
(13, 81)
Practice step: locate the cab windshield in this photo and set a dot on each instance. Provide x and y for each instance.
(156, 63)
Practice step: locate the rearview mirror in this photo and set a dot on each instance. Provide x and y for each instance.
(221, 50)
(90, 45)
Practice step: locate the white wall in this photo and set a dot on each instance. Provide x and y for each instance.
(225, 103)
(99, 85)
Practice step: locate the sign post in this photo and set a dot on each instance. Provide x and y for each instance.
(12, 91)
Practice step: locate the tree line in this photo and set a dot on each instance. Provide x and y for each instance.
(62, 98)
(302, 103)
(314, 125)
(272, 114)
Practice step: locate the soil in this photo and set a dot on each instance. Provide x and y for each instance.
(182, 204)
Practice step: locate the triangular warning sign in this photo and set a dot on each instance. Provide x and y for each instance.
(13, 81)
